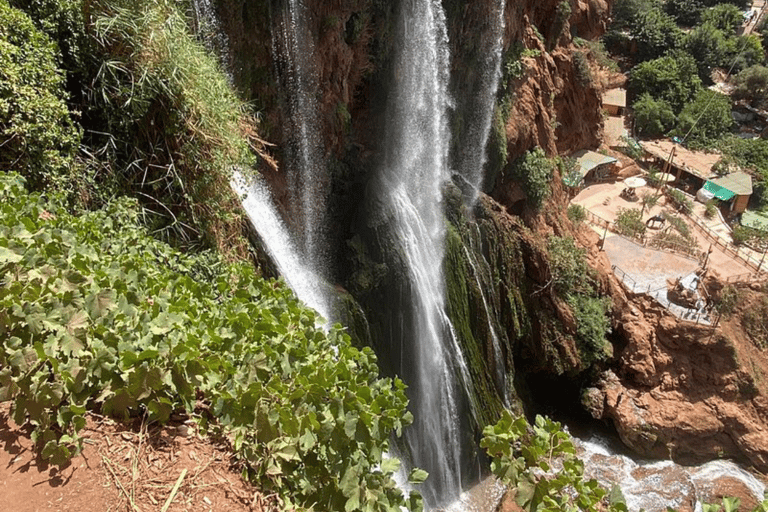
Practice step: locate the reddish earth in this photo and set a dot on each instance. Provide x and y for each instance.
(130, 468)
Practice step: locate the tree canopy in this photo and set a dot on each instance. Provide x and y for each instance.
(672, 78)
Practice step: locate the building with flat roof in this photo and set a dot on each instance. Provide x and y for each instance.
(615, 101)
(590, 167)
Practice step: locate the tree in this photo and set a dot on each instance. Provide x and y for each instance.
(706, 118)
(708, 46)
(725, 17)
(653, 117)
(752, 84)
(745, 51)
(37, 136)
(685, 12)
(673, 78)
(655, 33)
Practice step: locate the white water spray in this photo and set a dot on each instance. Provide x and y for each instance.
(416, 167)
(295, 50)
(472, 154)
(263, 215)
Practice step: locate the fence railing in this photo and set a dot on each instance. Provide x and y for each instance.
(703, 315)
(671, 247)
(743, 255)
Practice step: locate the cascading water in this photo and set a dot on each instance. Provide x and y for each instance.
(415, 170)
(263, 215)
(304, 163)
(472, 156)
(209, 30)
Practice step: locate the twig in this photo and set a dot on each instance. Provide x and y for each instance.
(109, 463)
(174, 490)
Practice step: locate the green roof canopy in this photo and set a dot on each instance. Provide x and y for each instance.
(721, 193)
(586, 161)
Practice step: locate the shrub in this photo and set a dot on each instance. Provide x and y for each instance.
(728, 299)
(752, 84)
(673, 78)
(534, 171)
(710, 209)
(568, 266)
(755, 322)
(679, 224)
(577, 213)
(525, 457)
(592, 324)
(629, 222)
(37, 136)
(706, 118)
(650, 199)
(653, 117)
(176, 125)
(581, 67)
(679, 200)
(97, 314)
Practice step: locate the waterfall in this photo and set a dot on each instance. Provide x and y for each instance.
(261, 211)
(209, 31)
(417, 142)
(292, 41)
(473, 156)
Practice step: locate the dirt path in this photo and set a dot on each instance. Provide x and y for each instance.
(124, 469)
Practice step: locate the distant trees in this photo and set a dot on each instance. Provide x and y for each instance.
(672, 78)
(653, 117)
(655, 32)
(752, 84)
(706, 118)
(725, 17)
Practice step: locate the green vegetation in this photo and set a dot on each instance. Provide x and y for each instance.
(679, 200)
(706, 118)
(533, 171)
(672, 78)
(728, 299)
(710, 209)
(752, 84)
(629, 222)
(98, 315)
(573, 279)
(176, 126)
(653, 117)
(37, 135)
(577, 213)
(525, 456)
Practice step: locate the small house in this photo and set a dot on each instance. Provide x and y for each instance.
(615, 101)
(591, 167)
(735, 188)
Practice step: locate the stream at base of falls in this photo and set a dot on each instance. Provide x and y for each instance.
(647, 485)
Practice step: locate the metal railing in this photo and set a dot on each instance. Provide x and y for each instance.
(701, 315)
(743, 255)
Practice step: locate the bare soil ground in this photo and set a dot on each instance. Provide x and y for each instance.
(125, 467)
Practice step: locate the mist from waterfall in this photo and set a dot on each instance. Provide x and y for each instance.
(473, 155)
(416, 143)
(294, 48)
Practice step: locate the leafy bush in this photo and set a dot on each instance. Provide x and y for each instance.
(679, 200)
(95, 314)
(577, 213)
(592, 324)
(706, 118)
(728, 299)
(679, 224)
(629, 222)
(725, 16)
(685, 12)
(37, 136)
(534, 171)
(650, 199)
(710, 209)
(655, 33)
(568, 266)
(709, 46)
(581, 66)
(653, 117)
(525, 457)
(672, 78)
(752, 84)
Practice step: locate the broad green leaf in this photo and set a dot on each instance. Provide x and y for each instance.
(417, 476)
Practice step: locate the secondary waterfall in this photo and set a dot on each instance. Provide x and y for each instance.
(263, 215)
(304, 164)
(472, 156)
(416, 167)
